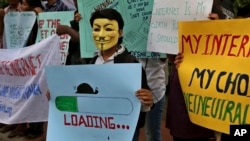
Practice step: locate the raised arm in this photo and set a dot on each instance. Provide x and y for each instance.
(65, 29)
(2, 13)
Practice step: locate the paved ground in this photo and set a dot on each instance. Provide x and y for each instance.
(3, 137)
(165, 134)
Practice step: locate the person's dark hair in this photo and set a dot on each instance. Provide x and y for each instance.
(216, 8)
(35, 3)
(110, 14)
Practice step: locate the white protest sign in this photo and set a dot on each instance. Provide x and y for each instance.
(163, 32)
(17, 28)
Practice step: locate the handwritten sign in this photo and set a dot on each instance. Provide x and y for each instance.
(47, 24)
(163, 32)
(17, 26)
(92, 105)
(136, 15)
(213, 75)
(22, 81)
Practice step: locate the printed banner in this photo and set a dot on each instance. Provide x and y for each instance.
(93, 102)
(136, 15)
(214, 74)
(47, 24)
(22, 81)
(17, 28)
(163, 32)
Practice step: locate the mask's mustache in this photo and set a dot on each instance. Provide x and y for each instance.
(101, 39)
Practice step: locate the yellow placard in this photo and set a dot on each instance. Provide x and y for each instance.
(215, 72)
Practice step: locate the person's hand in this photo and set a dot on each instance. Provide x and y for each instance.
(48, 95)
(65, 29)
(178, 59)
(38, 10)
(62, 29)
(77, 17)
(213, 16)
(145, 96)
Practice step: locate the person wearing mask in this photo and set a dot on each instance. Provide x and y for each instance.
(107, 28)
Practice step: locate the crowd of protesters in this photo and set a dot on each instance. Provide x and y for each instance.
(156, 71)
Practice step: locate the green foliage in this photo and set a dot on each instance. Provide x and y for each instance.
(3, 3)
(240, 4)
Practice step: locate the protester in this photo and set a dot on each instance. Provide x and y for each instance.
(155, 71)
(224, 9)
(177, 119)
(2, 13)
(107, 28)
(3, 4)
(104, 54)
(56, 5)
(70, 4)
(243, 11)
(73, 56)
(22, 128)
(155, 74)
(32, 130)
(31, 5)
(13, 5)
(36, 6)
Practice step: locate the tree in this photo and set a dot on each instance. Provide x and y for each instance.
(239, 4)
